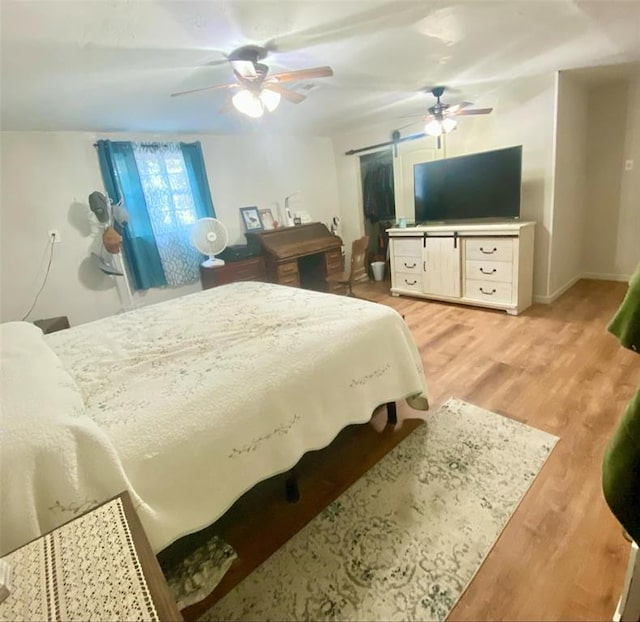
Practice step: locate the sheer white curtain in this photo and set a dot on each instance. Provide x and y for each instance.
(169, 199)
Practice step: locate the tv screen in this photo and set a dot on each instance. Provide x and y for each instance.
(480, 185)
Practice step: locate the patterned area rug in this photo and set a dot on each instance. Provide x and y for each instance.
(406, 539)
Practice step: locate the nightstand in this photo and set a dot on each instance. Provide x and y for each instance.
(52, 324)
(98, 566)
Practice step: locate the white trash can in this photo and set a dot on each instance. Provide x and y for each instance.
(378, 270)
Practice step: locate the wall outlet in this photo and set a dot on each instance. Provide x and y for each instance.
(55, 234)
(628, 165)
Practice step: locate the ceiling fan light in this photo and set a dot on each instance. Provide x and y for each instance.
(270, 99)
(449, 124)
(438, 127)
(248, 103)
(433, 128)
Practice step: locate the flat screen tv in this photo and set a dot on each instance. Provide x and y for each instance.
(478, 186)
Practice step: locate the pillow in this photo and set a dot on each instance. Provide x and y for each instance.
(33, 380)
(41, 431)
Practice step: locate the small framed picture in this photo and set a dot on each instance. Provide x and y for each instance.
(251, 218)
(267, 218)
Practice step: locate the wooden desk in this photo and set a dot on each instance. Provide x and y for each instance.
(98, 566)
(301, 256)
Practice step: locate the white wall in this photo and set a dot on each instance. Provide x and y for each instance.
(523, 115)
(570, 192)
(47, 177)
(348, 176)
(628, 247)
(612, 228)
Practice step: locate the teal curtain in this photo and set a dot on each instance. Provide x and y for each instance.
(121, 180)
(194, 163)
(121, 177)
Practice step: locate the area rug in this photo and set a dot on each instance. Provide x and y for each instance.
(407, 538)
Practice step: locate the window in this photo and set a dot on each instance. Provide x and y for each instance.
(165, 190)
(172, 211)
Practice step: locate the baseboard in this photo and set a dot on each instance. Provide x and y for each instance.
(606, 277)
(545, 300)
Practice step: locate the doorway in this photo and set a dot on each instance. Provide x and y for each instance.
(378, 201)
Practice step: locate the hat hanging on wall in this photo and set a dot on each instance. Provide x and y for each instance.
(107, 213)
(108, 247)
(112, 240)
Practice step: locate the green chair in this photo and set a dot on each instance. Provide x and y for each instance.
(621, 464)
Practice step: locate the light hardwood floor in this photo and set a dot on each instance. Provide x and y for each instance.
(562, 555)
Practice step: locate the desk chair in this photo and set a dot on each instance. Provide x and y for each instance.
(357, 272)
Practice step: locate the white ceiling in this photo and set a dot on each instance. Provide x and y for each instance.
(110, 65)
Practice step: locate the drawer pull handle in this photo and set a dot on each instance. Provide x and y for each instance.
(406, 265)
(410, 283)
(493, 250)
(493, 291)
(492, 271)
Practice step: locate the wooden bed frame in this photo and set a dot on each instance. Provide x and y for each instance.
(291, 489)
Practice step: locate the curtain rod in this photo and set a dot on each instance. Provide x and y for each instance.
(387, 144)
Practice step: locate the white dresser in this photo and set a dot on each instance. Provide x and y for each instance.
(486, 264)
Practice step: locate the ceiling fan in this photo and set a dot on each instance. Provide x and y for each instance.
(257, 90)
(440, 119)
(442, 116)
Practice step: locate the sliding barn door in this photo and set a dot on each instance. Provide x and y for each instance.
(441, 258)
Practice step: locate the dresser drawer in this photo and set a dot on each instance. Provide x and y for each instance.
(411, 265)
(252, 269)
(408, 282)
(293, 280)
(488, 292)
(287, 269)
(487, 270)
(407, 247)
(493, 249)
(333, 261)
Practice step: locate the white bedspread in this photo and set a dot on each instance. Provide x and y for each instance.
(191, 402)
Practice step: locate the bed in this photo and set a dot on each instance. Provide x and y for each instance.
(188, 403)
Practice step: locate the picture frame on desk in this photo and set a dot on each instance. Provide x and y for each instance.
(251, 218)
(268, 221)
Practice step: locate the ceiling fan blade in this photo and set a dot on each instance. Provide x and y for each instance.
(302, 74)
(457, 107)
(289, 95)
(473, 111)
(205, 88)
